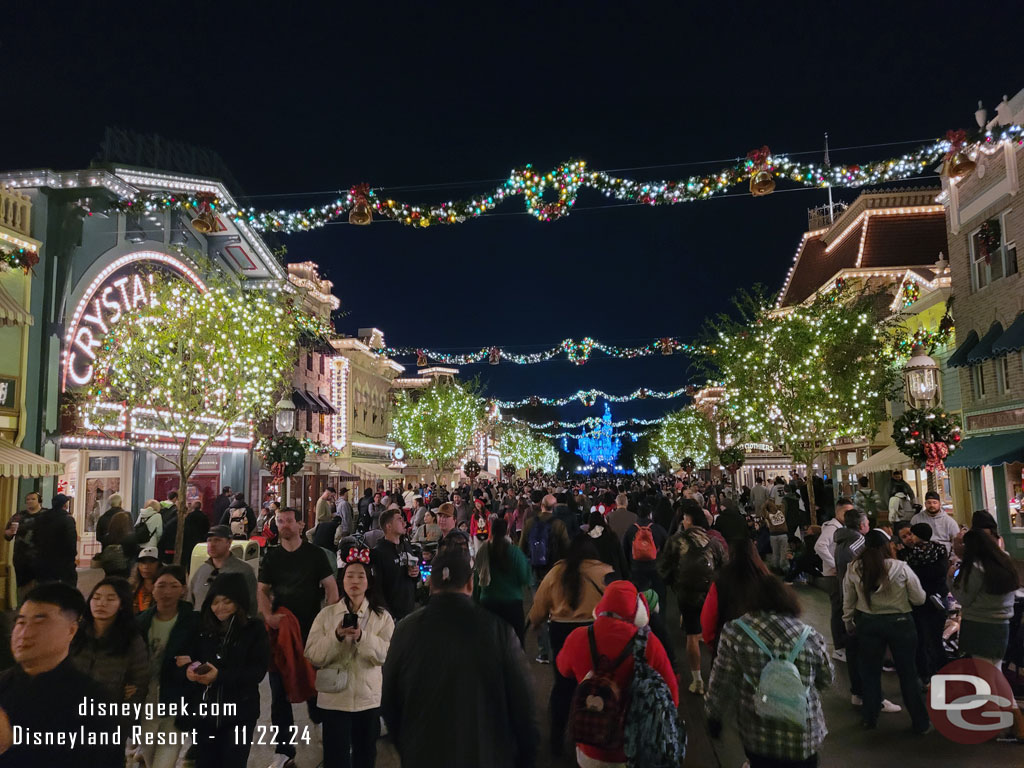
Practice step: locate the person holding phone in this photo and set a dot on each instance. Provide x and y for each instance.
(348, 644)
(227, 659)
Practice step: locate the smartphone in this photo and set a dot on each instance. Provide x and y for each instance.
(202, 669)
(425, 569)
(349, 621)
(956, 572)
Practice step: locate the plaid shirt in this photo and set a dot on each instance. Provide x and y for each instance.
(739, 658)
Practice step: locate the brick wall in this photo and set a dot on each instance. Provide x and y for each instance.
(999, 301)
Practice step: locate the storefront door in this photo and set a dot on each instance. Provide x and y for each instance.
(91, 478)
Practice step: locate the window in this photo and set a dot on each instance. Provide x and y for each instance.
(992, 255)
(309, 421)
(104, 463)
(321, 364)
(309, 361)
(978, 380)
(322, 419)
(1002, 374)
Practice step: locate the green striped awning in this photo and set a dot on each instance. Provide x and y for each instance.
(959, 357)
(988, 450)
(1013, 339)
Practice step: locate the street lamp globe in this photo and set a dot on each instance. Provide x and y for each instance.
(285, 419)
(922, 376)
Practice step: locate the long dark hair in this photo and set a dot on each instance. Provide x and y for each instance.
(999, 576)
(124, 629)
(372, 596)
(232, 586)
(498, 545)
(874, 574)
(582, 548)
(736, 579)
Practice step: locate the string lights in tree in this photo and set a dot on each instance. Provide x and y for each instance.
(519, 447)
(191, 365)
(686, 433)
(803, 379)
(760, 169)
(437, 424)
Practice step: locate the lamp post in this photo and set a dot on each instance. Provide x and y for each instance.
(284, 423)
(921, 374)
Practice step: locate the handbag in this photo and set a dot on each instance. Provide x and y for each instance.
(331, 680)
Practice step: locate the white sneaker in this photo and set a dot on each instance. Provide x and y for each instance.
(856, 700)
(697, 687)
(888, 706)
(839, 654)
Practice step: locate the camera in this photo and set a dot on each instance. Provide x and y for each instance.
(410, 555)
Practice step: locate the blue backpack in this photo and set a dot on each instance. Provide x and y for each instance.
(539, 535)
(654, 735)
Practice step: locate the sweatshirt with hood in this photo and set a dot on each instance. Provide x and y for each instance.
(617, 618)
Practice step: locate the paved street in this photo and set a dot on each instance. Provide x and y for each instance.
(847, 743)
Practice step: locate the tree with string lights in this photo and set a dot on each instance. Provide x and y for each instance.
(519, 446)
(437, 424)
(686, 434)
(190, 366)
(803, 378)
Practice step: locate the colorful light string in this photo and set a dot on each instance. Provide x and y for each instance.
(590, 396)
(565, 182)
(578, 352)
(590, 421)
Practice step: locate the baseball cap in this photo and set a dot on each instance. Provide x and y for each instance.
(148, 553)
(58, 501)
(933, 495)
(219, 532)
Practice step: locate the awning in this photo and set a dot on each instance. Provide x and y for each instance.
(17, 462)
(301, 401)
(888, 458)
(959, 358)
(341, 474)
(989, 450)
(1012, 340)
(328, 408)
(11, 312)
(983, 351)
(314, 401)
(378, 470)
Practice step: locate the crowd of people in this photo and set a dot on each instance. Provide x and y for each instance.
(425, 589)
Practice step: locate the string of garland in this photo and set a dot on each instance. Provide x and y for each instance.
(589, 397)
(633, 435)
(17, 258)
(590, 421)
(563, 183)
(317, 448)
(577, 352)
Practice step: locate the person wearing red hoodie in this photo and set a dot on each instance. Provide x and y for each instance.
(618, 616)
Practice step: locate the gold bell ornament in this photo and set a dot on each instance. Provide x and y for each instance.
(205, 222)
(494, 356)
(361, 212)
(958, 164)
(421, 359)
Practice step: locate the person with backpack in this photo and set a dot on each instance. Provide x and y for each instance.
(689, 562)
(149, 525)
(601, 659)
(565, 601)
(901, 507)
(778, 534)
(641, 545)
(878, 593)
(768, 677)
(608, 547)
(868, 500)
(544, 540)
(52, 543)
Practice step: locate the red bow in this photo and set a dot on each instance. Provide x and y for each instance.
(356, 555)
(956, 140)
(935, 453)
(759, 156)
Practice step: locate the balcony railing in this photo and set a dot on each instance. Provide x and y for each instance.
(15, 211)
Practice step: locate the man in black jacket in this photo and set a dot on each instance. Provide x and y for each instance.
(456, 647)
(53, 543)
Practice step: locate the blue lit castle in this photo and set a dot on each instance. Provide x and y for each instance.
(599, 448)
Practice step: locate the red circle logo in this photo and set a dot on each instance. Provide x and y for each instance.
(970, 701)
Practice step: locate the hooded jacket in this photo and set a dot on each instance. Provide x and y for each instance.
(848, 544)
(618, 615)
(171, 678)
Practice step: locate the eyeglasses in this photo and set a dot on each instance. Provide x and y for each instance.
(213, 575)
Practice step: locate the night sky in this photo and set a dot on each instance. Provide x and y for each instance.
(434, 105)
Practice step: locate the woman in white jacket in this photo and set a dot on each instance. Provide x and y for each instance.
(348, 644)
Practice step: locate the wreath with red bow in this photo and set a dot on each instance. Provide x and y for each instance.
(926, 435)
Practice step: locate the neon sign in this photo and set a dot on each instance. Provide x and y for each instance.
(118, 290)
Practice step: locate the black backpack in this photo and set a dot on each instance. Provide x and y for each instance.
(142, 532)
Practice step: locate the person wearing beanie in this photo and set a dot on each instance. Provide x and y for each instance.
(929, 561)
(619, 615)
(227, 659)
(455, 647)
(944, 528)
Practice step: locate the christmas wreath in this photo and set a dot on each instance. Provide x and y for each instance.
(508, 469)
(688, 464)
(732, 458)
(990, 237)
(471, 468)
(285, 455)
(926, 435)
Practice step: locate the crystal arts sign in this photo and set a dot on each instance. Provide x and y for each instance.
(119, 289)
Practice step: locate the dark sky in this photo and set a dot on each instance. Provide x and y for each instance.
(305, 101)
